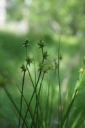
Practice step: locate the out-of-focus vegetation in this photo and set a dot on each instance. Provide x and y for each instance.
(48, 20)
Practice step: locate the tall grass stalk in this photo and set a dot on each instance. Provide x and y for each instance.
(23, 80)
(73, 98)
(60, 100)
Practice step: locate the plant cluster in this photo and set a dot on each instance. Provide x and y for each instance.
(42, 118)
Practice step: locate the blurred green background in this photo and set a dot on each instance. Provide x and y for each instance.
(48, 20)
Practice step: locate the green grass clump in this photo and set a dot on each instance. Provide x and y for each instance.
(45, 107)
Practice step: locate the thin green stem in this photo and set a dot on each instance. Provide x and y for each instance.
(30, 76)
(26, 103)
(35, 88)
(60, 100)
(47, 108)
(73, 98)
(50, 112)
(69, 108)
(37, 98)
(31, 98)
(41, 84)
(37, 101)
(10, 97)
(35, 72)
(23, 80)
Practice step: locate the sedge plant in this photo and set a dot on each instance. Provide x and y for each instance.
(41, 115)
